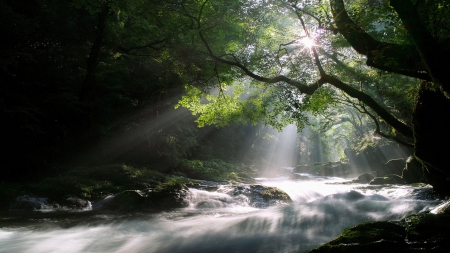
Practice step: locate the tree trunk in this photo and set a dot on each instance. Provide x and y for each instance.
(94, 55)
(432, 137)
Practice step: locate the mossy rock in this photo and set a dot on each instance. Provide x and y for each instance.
(426, 226)
(393, 166)
(388, 179)
(274, 193)
(415, 233)
(126, 200)
(413, 172)
(367, 237)
(364, 178)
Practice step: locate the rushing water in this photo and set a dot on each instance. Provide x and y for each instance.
(218, 222)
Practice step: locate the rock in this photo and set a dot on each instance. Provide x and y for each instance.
(413, 172)
(415, 233)
(393, 166)
(73, 202)
(126, 200)
(259, 196)
(364, 178)
(167, 198)
(30, 203)
(373, 157)
(367, 237)
(443, 208)
(351, 196)
(388, 179)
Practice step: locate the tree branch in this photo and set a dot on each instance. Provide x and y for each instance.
(151, 45)
(306, 89)
(401, 127)
(400, 59)
(378, 131)
(310, 89)
(431, 53)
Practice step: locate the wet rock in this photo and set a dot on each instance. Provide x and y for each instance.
(364, 178)
(393, 166)
(351, 195)
(73, 202)
(415, 233)
(156, 199)
(413, 172)
(374, 157)
(259, 196)
(443, 208)
(126, 200)
(163, 199)
(30, 203)
(388, 179)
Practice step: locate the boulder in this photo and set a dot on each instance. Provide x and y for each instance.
(167, 198)
(145, 199)
(373, 157)
(364, 178)
(31, 203)
(443, 208)
(413, 172)
(415, 233)
(388, 179)
(259, 196)
(73, 202)
(126, 200)
(393, 166)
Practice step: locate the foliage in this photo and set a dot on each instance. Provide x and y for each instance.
(271, 45)
(89, 182)
(215, 170)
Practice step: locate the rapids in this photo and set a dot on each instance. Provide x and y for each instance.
(217, 222)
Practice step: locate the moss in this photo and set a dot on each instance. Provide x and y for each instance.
(415, 233)
(367, 237)
(418, 185)
(90, 182)
(173, 184)
(426, 226)
(388, 179)
(216, 170)
(274, 193)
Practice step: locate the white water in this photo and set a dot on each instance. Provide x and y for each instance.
(218, 222)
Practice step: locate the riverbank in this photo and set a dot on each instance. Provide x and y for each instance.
(220, 217)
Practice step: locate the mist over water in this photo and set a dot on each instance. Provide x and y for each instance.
(218, 222)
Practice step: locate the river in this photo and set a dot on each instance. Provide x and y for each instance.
(217, 222)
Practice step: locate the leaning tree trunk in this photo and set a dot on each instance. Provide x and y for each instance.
(432, 137)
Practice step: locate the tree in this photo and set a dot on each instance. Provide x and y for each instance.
(405, 39)
(72, 71)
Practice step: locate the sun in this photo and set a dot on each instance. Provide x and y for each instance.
(308, 42)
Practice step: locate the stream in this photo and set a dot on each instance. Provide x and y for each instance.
(217, 222)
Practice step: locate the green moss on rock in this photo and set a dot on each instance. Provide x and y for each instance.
(415, 233)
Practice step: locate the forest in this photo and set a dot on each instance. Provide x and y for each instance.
(99, 97)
